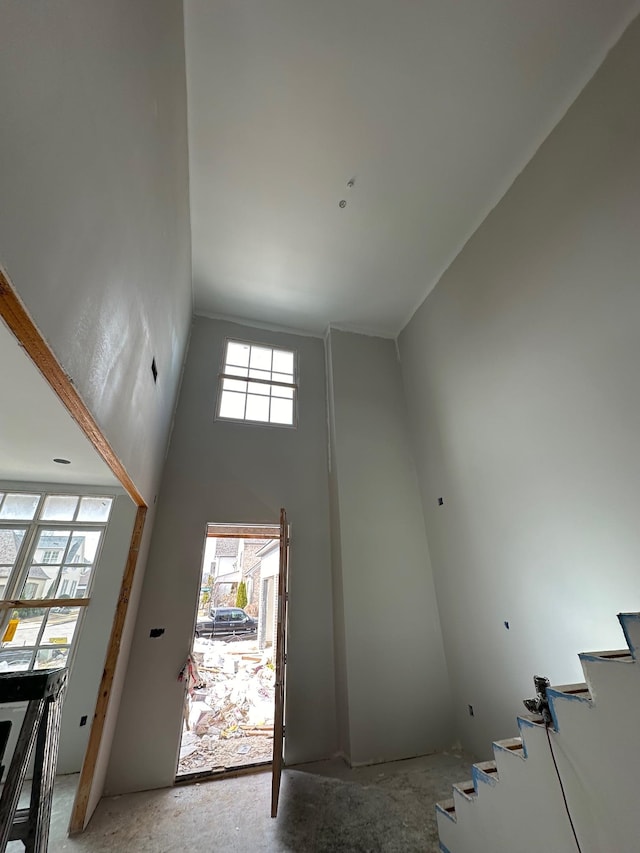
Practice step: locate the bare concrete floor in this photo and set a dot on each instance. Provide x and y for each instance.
(324, 807)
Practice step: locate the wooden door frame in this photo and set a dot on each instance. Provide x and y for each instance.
(280, 646)
(17, 318)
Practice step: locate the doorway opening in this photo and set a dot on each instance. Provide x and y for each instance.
(228, 720)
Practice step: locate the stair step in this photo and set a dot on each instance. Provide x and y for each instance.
(447, 808)
(580, 692)
(530, 719)
(513, 745)
(486, 766)
(630, 623)
(616, 654)
(485, 771)
(580, 689)
(466, 789)
(559, 695)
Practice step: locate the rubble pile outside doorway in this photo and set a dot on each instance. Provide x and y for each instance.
(230, 714)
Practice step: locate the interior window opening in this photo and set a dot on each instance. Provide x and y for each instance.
(49, 547)
(258, 384)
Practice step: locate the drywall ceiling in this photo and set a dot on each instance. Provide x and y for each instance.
(35, 427)
(434, 107)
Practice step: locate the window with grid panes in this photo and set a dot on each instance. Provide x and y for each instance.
(258, 384)
(49, 548)
(50, 556)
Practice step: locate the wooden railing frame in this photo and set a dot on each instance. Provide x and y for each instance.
(42, 603)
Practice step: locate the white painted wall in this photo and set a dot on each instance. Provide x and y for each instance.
(94, 220)
(270, 564)
(96, 629)
(225, 472)
(521, 377)
(397, 685)
(339, 637)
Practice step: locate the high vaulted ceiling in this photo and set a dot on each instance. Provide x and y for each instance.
(432, 106)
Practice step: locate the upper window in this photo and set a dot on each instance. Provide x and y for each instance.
(258, 384)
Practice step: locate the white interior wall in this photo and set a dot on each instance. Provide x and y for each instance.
(80, 699)
(226, 472)
(521, 377)
(397, 684)
(339, 639)
(113, 715)
(94, 221)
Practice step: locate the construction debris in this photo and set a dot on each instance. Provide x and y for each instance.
(229, 718)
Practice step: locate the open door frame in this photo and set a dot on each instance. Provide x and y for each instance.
(281, 662)
(17, 318)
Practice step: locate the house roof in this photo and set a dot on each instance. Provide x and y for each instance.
(37, 573)
(9, 545)
(227, 547)
(268, 547)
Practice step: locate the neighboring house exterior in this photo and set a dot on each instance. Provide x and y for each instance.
(51, 549)
(38, 584)
(268, 601)
(46, 565)
(9, 544)
(225, 571)
(42, 580)
(251, 573)
(226, 563)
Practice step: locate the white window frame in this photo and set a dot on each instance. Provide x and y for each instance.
(295, 385)
(18, 575)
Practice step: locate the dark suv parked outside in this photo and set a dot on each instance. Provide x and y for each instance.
(226, 620)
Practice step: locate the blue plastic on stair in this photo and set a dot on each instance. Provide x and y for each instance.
(480, 775)
(555, 696)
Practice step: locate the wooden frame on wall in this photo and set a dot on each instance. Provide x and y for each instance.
(17, 318)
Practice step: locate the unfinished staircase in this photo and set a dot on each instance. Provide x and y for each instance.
(515, 802)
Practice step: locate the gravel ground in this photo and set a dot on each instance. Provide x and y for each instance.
(229, 753)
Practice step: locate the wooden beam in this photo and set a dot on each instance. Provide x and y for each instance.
(280, 661)
(24, 603)
(78, 815)
(17, 318)
(239, 531)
